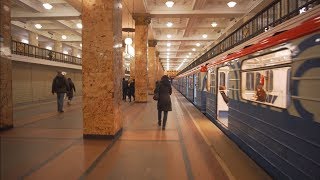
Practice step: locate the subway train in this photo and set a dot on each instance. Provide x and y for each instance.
(266, 98)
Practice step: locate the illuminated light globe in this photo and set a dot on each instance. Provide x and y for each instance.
(128, 41)
(231, 4)
(169, 4)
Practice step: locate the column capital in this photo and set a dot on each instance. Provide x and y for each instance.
(142, 18)
(152, 43)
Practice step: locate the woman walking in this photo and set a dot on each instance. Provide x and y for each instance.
(164, 91)
(71, 89)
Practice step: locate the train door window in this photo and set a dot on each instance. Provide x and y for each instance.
(222, 95)
(222, 79)
(212, 82)
(271, 76)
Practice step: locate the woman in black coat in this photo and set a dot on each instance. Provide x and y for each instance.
(164, 91)
(71, 89)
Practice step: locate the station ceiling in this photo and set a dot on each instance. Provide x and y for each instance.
(196, 24)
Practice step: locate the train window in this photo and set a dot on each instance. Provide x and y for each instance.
(222, 79)
(272, 59)
(249, 81)
(267, 81)
(212, 82)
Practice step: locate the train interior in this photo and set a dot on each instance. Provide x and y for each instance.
(222, 106)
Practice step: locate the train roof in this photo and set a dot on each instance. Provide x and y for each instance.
(305, 28)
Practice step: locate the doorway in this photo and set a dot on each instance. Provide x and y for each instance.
(222, 106)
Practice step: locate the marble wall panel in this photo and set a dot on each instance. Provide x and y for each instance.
(6, 105)
(101, 64)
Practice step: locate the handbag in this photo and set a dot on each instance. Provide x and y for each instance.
(156, 96)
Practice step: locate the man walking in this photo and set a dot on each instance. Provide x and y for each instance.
(60, 86)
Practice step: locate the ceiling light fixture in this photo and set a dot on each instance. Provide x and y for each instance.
(198, 44)
(65, 52)
(231, 4)
(128, 41)
(79, 25)
(80, 44)
(64, 37)
(190, 53)
(168, 49)
(168, 44)
(169, 4)
(169, 24)
(204, 36)
(214, 24)
(49, 47)
(78, 56)
(193, 49)
(169, 36)
(47, 6)
(38, 26)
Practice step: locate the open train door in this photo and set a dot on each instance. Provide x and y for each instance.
(222, 106)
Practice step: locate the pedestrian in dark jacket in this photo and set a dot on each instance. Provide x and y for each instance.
(60, 86)
(71, 89)
(132, 90)
(164, 91)
(124, 89)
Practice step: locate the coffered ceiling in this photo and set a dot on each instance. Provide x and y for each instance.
(190, 35)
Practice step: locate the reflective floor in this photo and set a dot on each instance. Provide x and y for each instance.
(47, 145)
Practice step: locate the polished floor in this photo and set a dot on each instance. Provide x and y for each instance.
(47, 145)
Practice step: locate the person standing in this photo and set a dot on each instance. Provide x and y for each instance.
(132, 89)
(71, 89)
(60, 86)
(164, 91)
(124, 89)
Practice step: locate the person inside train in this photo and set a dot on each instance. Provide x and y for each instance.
(223, 94)
(260, 94)
(164, 91)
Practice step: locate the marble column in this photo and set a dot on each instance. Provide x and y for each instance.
(151, 65)
(101, 65)
(157, 66)
(140, 40)
(132, 68)
(6, 106)
(33, 39)
(57, 46)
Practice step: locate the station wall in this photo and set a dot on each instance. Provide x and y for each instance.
(32, 82)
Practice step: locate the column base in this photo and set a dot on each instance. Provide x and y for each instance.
(4, 128)
(97, 136)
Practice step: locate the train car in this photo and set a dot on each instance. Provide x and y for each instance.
(266, 98)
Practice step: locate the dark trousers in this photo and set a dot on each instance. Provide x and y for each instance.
(165, 116)
(60, 97)
(124, 94)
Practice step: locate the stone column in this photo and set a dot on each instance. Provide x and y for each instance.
(151, 65)
(33, 39)
(6, 107)
(157, 66)
(140, 40)
(57, 46)
(132, 68)
(101, 65)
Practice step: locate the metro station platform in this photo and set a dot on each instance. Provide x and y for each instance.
(47, 145)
